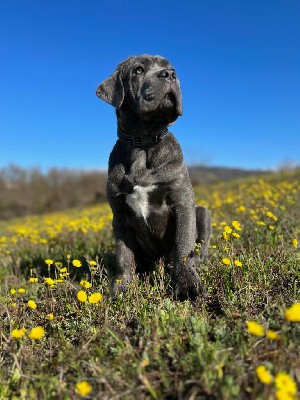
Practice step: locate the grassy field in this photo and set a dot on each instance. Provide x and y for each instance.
(63, 337)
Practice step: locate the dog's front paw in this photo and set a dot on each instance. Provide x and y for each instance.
(187, 285)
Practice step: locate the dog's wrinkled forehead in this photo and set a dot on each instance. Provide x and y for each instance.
(146, 61)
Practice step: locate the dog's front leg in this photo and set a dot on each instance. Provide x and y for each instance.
(186, 281)
(125, 261)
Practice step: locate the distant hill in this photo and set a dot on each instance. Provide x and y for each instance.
(29, 191)
(201, 174)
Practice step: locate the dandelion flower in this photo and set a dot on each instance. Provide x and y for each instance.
(92, 263)
(49, 281)
(76, 263)
(283, 395)
(49, 262)
(50, 317)
(236, 235)
(272, 335)
(32, 280)
(293, 313)
(13, 291)
(83, 388)
(32, 304)
(21, 290)
(85, 284)
(264, 375)
(261, 223)
(236, 225)
(82, 296)
(227, 229)
(295, 243)
(226, 261)
(238, 263)
(36, 333)
(94, 298)
(271, 215)
(284, 383)
(18, 333)
(254, 328)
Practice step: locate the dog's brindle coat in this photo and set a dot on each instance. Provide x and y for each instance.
(148, 186)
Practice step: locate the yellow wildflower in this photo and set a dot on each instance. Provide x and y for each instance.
(76, 263)
(295, 243)
(13, 291)
(85, 284)
(49, 262)
(18, 333)
(261, 223)
(264, 375)
(271, 215)
(271, 227)
(50, 317)
(272, 335)
(63, 270)
(21, 290)
(254, 328)
(226, 236)
(32, 280)
(49, 281)
(32, 304)
(94, 298)
(283, 395)
(83, 388)
(36, 333)
(238, 263)
(293, 313)
(226, 261)
(284, 383)
(92, 263)
(236, 235)
(82, 296)
(227, 229)
(236, 225)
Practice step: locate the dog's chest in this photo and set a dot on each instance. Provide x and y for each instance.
(138, 200)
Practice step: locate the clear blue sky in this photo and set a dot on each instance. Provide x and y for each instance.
(238, 62)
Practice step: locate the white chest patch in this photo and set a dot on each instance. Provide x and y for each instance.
(138, 200)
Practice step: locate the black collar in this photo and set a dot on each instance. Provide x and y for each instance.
(142, 141)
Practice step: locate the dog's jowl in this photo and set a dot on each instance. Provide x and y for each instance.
(148, 186)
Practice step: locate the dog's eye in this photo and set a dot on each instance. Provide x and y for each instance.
(139, 70)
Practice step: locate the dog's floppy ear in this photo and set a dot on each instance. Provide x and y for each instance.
(112, 90)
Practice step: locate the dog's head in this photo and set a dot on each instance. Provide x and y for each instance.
(146, 86)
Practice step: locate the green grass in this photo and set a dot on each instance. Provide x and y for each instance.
(144, 344)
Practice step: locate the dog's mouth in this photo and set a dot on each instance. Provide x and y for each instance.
(168, 102)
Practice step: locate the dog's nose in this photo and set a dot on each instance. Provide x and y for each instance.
(167, 74)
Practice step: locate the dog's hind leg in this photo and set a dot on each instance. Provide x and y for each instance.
(204, 230)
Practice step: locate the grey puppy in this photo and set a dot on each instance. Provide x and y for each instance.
(148, 186)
